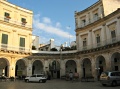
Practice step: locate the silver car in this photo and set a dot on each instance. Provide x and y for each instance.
(110, 78)
(36, 78)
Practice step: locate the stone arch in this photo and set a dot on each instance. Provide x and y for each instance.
(115, 61)
(37, 66)
(54, 68)
(100, 64)
(70, 66)
(21, 68)
(86, 67)
(4, 66)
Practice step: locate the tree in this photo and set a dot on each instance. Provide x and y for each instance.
(53, 49)
(33, 47)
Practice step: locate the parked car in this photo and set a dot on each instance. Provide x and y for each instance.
(110, 78)
(36, 78)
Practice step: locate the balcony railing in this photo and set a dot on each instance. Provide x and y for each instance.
(100, 44)
(14, 22)
(13, 48)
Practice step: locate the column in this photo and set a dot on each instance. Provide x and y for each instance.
(87, 19)
(118, 29)
(95, 68)
(62, 67)
(108, 35)
(78, 66)
(108, 62)
(90, 39)
(91, 17)
(29, 68)
(77, 41)
(100, 12)
(103, 35)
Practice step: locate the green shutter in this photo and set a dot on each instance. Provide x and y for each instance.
(4, 39)
(22, 42)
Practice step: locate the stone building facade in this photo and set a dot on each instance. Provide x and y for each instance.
(97, 39)
(15, 37)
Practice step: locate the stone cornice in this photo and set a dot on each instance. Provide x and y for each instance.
(100, 21)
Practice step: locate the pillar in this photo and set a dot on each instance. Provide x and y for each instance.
(62, 67)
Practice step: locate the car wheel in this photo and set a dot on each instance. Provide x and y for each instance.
(27, 81)
(104, 84)
(114, 83)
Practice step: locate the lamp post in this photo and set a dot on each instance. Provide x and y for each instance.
(97, 69)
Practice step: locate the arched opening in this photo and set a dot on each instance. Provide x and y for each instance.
(4, 67)
(86, 66)
(70, 66)
(115, 62)
(20, 69)
(54, 68)
(37, 67)
(100, 66)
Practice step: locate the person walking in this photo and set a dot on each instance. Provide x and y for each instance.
(71, 76)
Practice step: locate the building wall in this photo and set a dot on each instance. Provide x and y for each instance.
(110, 6)
(12, 25)
(15, 29)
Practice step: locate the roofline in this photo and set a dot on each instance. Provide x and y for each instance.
(17, 7)
(87, 9)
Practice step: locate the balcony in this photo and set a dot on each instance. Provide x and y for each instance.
(13, 48)
(11, 21)
(101, 44)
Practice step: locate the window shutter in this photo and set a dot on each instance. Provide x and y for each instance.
(22, 42)
(4, 39)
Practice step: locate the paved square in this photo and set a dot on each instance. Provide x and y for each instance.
(54, 84)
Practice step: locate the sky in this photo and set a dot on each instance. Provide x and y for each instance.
(54, 19)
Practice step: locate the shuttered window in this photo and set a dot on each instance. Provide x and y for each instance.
(22, 42)
(4, 39)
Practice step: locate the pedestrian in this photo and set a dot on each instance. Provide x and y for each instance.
(71, 76)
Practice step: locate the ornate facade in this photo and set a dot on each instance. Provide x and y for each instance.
(15, 37)
(97, 38)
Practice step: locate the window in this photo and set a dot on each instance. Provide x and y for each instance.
(98, 40)
(84, 42)
(4, 39)
(113, 35)
(22, 42)
(83, 22)
(7, 17)
(96, 16)
(23, 20)
(116, 68)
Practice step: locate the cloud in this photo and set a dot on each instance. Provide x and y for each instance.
(46, 20)
(58, 25)
(46, 29)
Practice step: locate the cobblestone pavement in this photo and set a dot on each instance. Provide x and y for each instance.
(53, 84)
